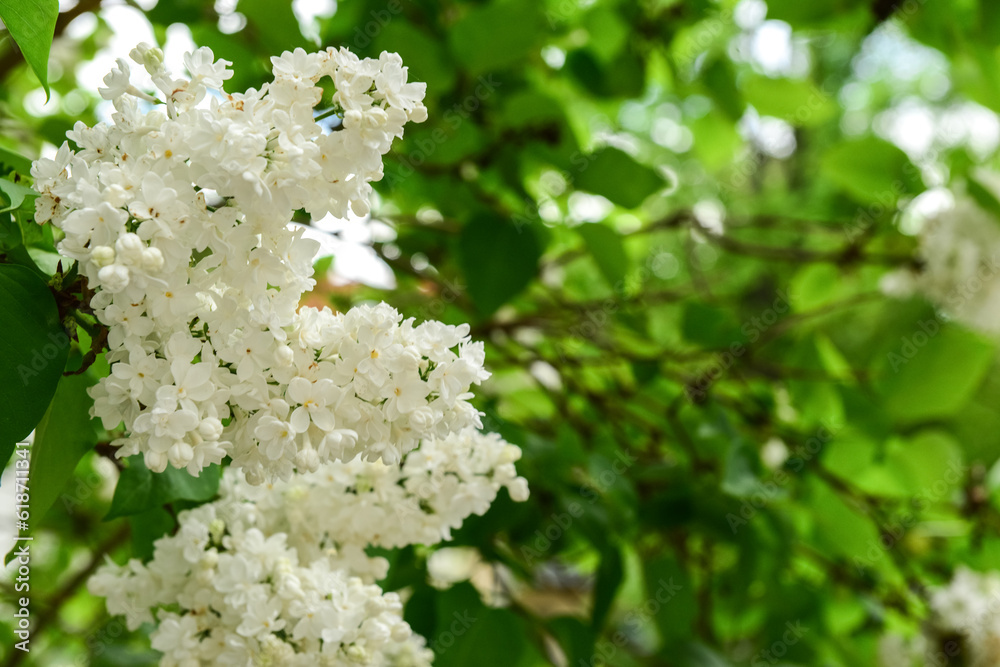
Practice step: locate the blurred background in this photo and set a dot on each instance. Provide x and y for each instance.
(688, 232)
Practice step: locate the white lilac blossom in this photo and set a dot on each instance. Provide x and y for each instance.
(964, 623)
(277, 573)
(344, 507)
(227, 594)
(178, 214)
(960, 265)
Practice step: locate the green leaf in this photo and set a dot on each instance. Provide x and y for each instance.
(139, 489)
(977, 76)
(983, 197)
(33, 234)
(817, 284)
(322, 266)
(36, 241)
(32, 24)
(740, 470)
(148, 527)
(426, 57)
(810, 14)
(250, 69)
(870, 170)
(498, 259)
(716, 140)
(694, 654)
(420, 611)
(10, 234)
(34, 347)
(670, 588)
(274, 24)
(616, 175)
(608, 251)
(64, 435)
(622, 77)
(710, 326)
(487, 39)
(15, 194)
(933, 372)
(16, 161)
(531, 107)
(469, 633)
(610, 574)
(613, 30)
(575, 638)
(190, 12)
(587, 70)
(799, 102)
(831, 358)
(839, 529)
(880, 470)
(926, 461)
(451, 139)
(719, 80)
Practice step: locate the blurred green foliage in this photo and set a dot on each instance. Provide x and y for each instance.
(739, 451)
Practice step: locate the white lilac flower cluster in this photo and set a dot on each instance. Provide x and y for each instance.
(964, 626)
(178, 214)
(276, 574)
(344, 507)
(246, 598)
(960, 257)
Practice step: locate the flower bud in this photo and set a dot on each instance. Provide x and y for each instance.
(284, 355)
(518, 490)
(210, 428)
(422, 419)
(205, 576)
(217, 529)
(401, 632)
(117, 196)
(352, 118)
(113, 278)
(211, 558)
(255, 476)
(155, 461)
(102, 255)
(375, 118)
(418, 114)
(356, 653)
(180, 454)
(307, 460)
(150, 57)
(152, 260)
(130, 248)
(510, 454)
